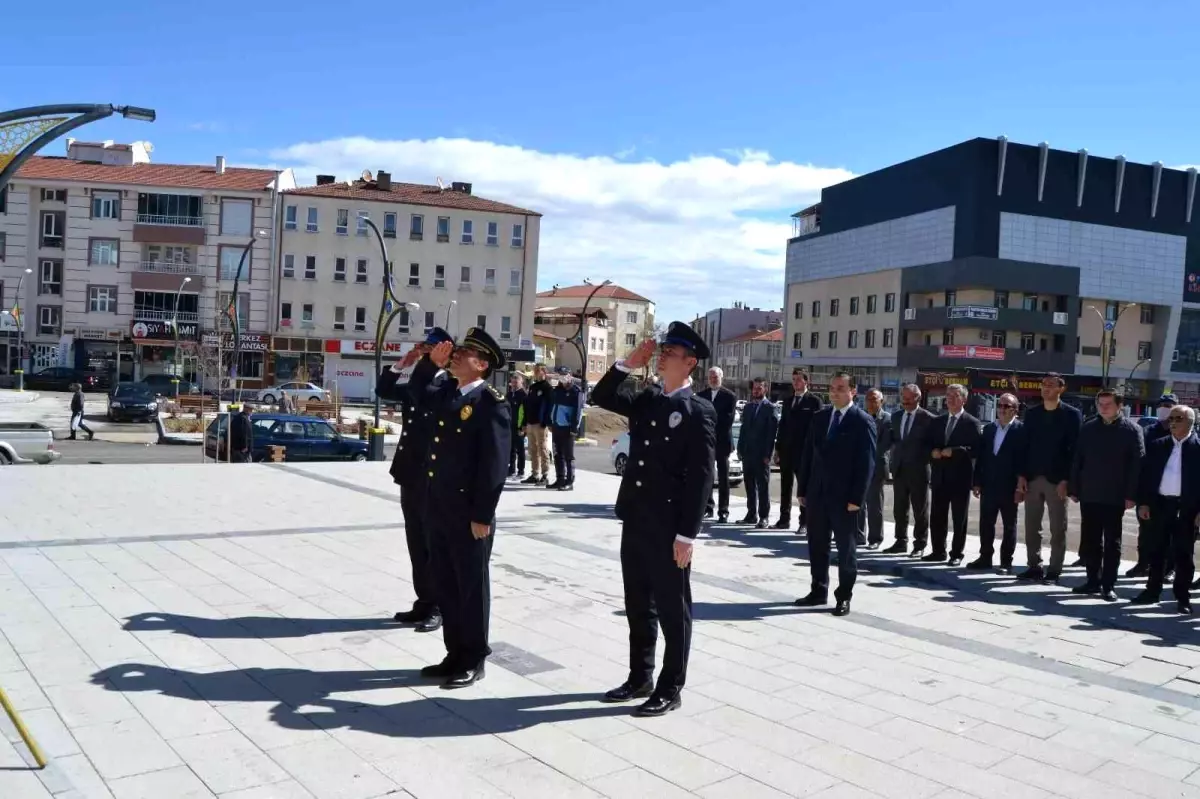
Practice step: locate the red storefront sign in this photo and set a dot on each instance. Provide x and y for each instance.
(359, 347)
(967, 351)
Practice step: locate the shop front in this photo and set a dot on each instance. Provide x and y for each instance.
(106, 350)
(300, 359)
(350, 366)
(154, 346)
(252, 362)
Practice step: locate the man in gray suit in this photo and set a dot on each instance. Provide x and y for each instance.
(870, 518)
(910, 471)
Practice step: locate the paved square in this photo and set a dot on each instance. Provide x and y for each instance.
(208, 630)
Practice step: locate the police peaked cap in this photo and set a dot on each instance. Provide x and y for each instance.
(477, 338)
(437, 336)
(681, 334)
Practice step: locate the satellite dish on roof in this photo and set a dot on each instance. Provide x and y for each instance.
(366, 175)
(441, 185)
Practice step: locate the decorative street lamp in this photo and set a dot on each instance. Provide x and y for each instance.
(20, 319)
(231, 311)
(175, 325)
(1106, 340)
(578, 342)
(449, 308)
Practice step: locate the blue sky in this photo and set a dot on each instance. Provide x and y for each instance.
(667, 142)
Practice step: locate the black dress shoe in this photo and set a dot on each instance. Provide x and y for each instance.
(1169, 576)
(898, 548)
(1077, 564)
(842, 607)
(1195, 586)
(1146, 598)
(802, 528)
(464, 678)
(860, 540)
(873, 545)
(1184, 608)
(980, 563)
(761, 524)
(431, 623)
(1052, 575)
(749, 519)
(626, 691)
(556, 485)
(1109, 595)
(658, 706)
(955, 560)
(708, 513)
(1138, 570)
(567, 487)
(722, 518)
(784, 523)
(414, 616)
(444, 669)
(1005, 568)
(812, 600)
(916, 552)
(934, 557)
(530, 480)
(1086, 588)
(1032, 573)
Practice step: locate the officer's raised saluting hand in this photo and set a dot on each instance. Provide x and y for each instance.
(640, 357)
(411, 357)
(440, 354)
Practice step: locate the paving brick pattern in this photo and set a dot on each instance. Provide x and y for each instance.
(201, 631)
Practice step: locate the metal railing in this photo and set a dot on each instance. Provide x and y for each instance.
(178, 221)
(157, 315)
(169, 267)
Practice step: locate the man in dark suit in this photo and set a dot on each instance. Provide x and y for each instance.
(1169, 498)
(910, 471)
(835, 471)
(870, 520)
(997, 466)
(667, 481)
(756, 442)
(953, 441)
(1160, 429)
(725, 402)
(798, 411)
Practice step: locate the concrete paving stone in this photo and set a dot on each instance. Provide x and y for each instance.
(686, 769)
(46, 728)
(739, 786)
(175, 710)
(937, 716)
(1074, 696)
(1124, 749)
(60, 666)
(957, 746)
(776, 707)
(23, 690)
(1144, 783)
(865, 772)
(718, 668)
(425, 774)
(36, 636)
(89, 703)
(1013, 719)
(536, 780)
(1165, 720)
(227, 761)
(923, 686)
(182, 651)
(288, 789)
(22, 785)
(124, 748)
(331, 771)
(178, 783)
(637, 783)
(74, 777)
(869, 742)
(782, 739)
(1155, 672)
(766, 767)
(845, 790)
(1172, 746)
(1056, 781)
(973, 780)
(255, 721)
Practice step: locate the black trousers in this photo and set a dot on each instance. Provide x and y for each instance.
(656, 592)
(758, 488)
(462, 575)
(911, 490)
(826, 522)
(872, 513)
(956, 501)
(564, 454)
(516, 456)
(412, 505)
(1174, 540)
(787, 489)
(721, 487)
(1100, 541)
(991, 505)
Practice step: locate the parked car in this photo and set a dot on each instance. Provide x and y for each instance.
(132, 402)
(164, 385)
(26, 442)
(57, 378)
(1146, 422)
(618, 456)
(297, 391)
(304, 438)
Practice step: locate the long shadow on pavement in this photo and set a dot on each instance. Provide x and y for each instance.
(578, 510)
(251, 626)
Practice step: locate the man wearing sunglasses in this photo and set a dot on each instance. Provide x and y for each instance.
(664, 491)
(1161, 429)
(999, 457)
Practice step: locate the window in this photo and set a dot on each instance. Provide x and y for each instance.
(104, 252)
(468, 232)
(950, 298)
(429, 321)
(289, 217)
(414, 274)
(631, 317)
(306, 312)
(854, 306)
(416, 227)
(106, 205)
(389, 225)
(54, 195)
(505, 327)
(796, 344)
(518, 235)
(852, 339)
(834, 307)
(50, 278)
(231, 259)
(1026, 342)
(798, 313)
(514, 279)
(361, 271)
(869, 342)
(439, 276)
(310, 267)
(343, 222)
(311, 227)
(489, 278)
(3, 244)
(361, 230)
(243, 308)
(49, 320)
(814, 340)
(630, 339)
(183, 210)
(493, 234)
(289, 265)
(481, 322)
(928, 338)
(339, 317)
(1111, 310)
(1147, 312)
(888, 335)
(443, 230)
(947, 336)
(816, 309)
(102, 299)
(1029, 302)
(339, 270)
(402, 320)
(464, 276)
(4, 200)
(1000, 339)
(53, 224)
(360, 319)
(889, 303)
(237, 217)
(285, 314)
(1000, 299)
(832, 339)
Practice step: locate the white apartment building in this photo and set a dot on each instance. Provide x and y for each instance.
(119, 249)
(753, 354)
(465, 260)
(562, 323)
(630, 315)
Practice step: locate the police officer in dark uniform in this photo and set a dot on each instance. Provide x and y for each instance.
(466, 468)
(664, 491)
(408, 471)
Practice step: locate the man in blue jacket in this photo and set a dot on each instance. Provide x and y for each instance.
(566, 409)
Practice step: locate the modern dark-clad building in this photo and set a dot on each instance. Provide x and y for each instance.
(997, 256)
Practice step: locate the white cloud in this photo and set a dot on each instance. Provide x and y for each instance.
(692, 234)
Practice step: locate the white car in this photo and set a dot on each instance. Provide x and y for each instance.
(297, 391)
(619, 455)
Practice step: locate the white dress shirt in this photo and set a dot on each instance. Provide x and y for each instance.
(953, 420)
(1171, 484)
(1001, 432)
(469, 387)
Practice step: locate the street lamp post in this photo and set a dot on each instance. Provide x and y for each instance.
(1110, 329)
(578, 342)
(231, 311)
(1136, 366)
(449, 308)
(20, 331)
(175, 325)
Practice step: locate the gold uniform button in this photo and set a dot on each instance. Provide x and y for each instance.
(441, 423)
(400, 447)
(647, 442)
(436, 439)
(653, 423)
(433, 456)
(640, 463)
(431, 473)
(638, 483)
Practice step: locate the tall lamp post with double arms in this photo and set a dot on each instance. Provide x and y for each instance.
(1106, 341)
(175, 325)
(231, 312)
(578, 341)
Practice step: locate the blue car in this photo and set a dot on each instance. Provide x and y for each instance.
(304, 438)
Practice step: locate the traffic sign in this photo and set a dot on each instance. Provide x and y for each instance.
(1109, 326)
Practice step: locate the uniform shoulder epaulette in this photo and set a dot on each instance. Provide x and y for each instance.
(495, 393)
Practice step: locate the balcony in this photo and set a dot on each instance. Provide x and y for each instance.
(987, 318)
(168, 268)
(157, 315)
(167, 277)
(186, 227)
(172, 221)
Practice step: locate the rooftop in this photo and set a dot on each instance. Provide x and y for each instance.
(757, 335)
(183, 176)
(410, 194)
(612, 291)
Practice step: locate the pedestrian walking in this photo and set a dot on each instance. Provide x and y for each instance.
(241, 434)
(1104, 481)
(408, 471)
(756, 444)
(953, 441)
(725, 403)
(516, 406)
(835, 472)
(566, 411)
(870, 518)
(1160, 429)
(537, 406)
(798, 412)
(666, 484)
(998, 463)
(77, 422)
(466, 467)
(910, 471)
(1052, 429)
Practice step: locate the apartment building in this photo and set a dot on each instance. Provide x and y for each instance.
(750, 355)
(991, 257)
(630, 314)
(117, 258)
(562, 323)
(465, 260)
(720, 324)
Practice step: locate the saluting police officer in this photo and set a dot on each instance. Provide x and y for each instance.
(408, 471)
(665, 488)
(466, 467)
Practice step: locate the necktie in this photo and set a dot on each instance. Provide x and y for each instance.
(833, 423)
(907, 426)
(950, 428)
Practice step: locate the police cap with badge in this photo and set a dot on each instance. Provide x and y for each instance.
(477, 339)
(681, 334)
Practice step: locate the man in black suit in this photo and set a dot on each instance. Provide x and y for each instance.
(725, 402)
(1160, 429)
(953, 441)
(798, 411)
(835, 471)
(910, 471)
(870, 520)
(756, 441)
(997, 466)
(1169, 498)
